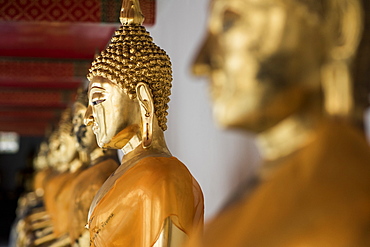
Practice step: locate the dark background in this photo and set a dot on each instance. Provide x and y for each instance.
(16, 172)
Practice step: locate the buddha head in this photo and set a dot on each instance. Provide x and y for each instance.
(40, 161)
(84, 135)
(271, 59)
(53, 152)
(67, 144)
(130, 84)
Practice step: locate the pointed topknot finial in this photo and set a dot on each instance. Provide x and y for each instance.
(131, 13)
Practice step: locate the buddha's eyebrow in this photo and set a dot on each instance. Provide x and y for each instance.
(95, 88)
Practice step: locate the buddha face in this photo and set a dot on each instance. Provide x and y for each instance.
(110, 111)
(262, 60)
(67, 148)
(53, 153)
(41, 158)
(84, 134)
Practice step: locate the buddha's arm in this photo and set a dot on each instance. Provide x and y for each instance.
(171, 235)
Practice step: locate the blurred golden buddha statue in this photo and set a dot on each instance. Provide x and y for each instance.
(31, 214)
(151, 199)
(42, 171)
(39, 224)
(58, 188)
(41, 168)
(102, 163)
(281, 69)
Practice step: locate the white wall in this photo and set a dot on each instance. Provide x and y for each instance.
(218, 159)
(367, 122)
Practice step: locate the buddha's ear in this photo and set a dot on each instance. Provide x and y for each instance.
(146, 111)
(345, 22)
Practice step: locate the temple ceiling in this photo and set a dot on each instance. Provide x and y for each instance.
(46, 48)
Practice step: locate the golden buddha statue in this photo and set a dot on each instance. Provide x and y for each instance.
(281, 68)
(51, 182)
(31, 215)
(42, 169)
(151, 199)
(58, 189)
(36, 227)
(102, 163)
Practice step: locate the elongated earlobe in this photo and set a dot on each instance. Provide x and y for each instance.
(146, 112)
(335, 74)
(337, 87)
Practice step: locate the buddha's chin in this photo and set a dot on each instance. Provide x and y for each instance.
(223, 113)
(101, 144)
(230, 116)
(99, 140)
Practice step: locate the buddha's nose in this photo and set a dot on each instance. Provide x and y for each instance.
(88, 118)
(202, 61)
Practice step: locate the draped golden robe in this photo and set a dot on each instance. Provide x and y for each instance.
(39, 179)
(133, 211)
(62, 204)
(53, 185)
(85, 187)
(320, 196)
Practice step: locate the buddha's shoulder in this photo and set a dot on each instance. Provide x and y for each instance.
(157, 170)
(105, 164)
(99, 171)
(160, 165)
